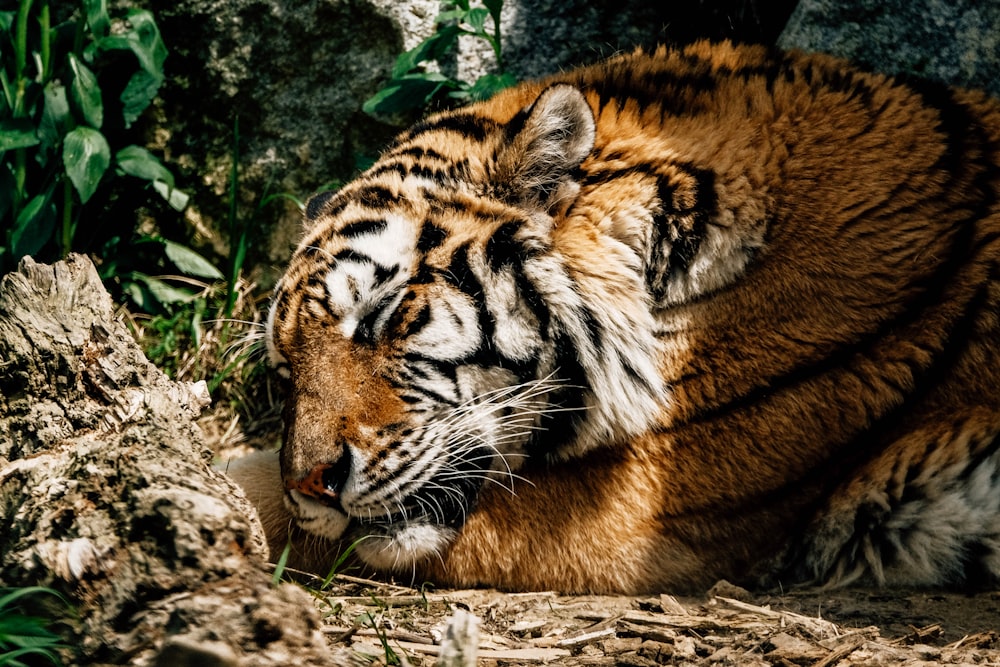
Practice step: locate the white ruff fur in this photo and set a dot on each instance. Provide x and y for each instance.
(401, 547)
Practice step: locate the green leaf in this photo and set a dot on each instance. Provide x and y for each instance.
(139, 295)
(279, 567)
(86, 93)
(17, 133)
(25, 631)
(451, 15)
(495, 7)
(32, 230)
(432, 48)
(97, 17)
(138, 93)
(86, 156)
(139, 162)
(489, 85)
(145, 42)
(477, 19)
(56, 120)
(11, 658)
(162, 292)
(14, 594)
(177, 199)
(409, 92)
(189, 262)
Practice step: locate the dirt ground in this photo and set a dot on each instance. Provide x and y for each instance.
(387, 624)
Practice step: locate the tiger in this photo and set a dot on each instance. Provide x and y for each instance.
(687, 314)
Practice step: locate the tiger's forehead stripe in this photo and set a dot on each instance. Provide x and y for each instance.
(466, 125)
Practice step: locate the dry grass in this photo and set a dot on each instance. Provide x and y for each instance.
(198, 341)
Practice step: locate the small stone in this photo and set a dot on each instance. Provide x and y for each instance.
(187, 652)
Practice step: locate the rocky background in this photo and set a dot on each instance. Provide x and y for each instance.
(296, 72)
(106, 492)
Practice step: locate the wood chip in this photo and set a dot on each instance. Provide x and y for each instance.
(794, 649)
(670, 605)
(818, 627)
(513, 654)
(586, 637)
(460, 646)
(835, 656)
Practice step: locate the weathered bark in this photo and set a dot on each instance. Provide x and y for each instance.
(107, 494)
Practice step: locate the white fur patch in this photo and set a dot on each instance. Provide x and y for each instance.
(931, 534)
(722, 257)
(453, 330)
(404, 545)
(316, 518)
(924, 541)
(275, 358)
(354, 288)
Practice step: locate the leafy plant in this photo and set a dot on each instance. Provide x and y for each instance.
(22, 636)
(61, 122)
(413, 86)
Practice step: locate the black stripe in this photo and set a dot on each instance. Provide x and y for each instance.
(531, 297)
(419, 152)
(435, 174)
(558, 428)
(350, 255)
(383, 168)
(375, 196)
(594, 328)
(382, 273)
(413, 390)
(475, 127)
(431, 237)
(363, 227)
(459, 274)
(418, 322)
(690, 235)
(365, 331)
(503, 249)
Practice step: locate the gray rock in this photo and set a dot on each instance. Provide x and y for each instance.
(950, 41)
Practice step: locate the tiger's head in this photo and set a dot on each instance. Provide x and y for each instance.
(456, 311)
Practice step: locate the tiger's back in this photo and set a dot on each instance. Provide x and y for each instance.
(750, 297)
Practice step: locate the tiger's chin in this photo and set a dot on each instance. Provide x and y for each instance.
(384, 545)
(398, 547)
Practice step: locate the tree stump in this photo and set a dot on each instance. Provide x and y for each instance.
(108, 496)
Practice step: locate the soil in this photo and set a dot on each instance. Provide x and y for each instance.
(387, 624)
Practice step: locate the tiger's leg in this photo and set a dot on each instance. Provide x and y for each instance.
(926, 513)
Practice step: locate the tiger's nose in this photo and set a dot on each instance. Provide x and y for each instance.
(326, 481)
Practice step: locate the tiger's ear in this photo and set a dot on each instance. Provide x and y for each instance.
(547, 142)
